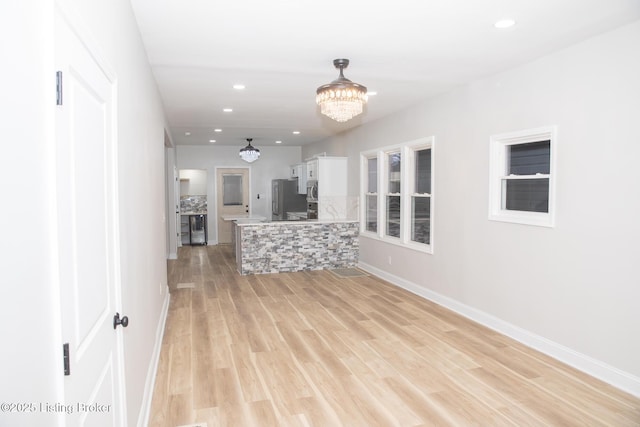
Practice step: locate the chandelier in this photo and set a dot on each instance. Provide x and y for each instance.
(249, 153)
(341, 99)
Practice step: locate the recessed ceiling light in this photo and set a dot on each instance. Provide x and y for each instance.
(238, 86)
(212, 141)
(227, 110)
(217, 130)
(370, 93)
(296, 132)
(187, 133)
(278, 142)
(504, 23)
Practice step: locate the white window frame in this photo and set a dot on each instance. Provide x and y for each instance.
(497, 173)
(386, 194)
(407, 173)
(410, 191)
(365, 191)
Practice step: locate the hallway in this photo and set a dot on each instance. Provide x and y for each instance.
(311, 348)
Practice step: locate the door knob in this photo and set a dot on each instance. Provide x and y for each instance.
(118, 321)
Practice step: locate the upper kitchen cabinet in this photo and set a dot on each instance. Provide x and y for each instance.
(331, 174)
(299, 172)
(312, 169)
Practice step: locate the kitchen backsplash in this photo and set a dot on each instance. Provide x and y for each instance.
(338, 208)
(193, 204)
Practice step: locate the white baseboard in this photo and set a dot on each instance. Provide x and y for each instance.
(173, 255)
(607, 373)
(145, 410)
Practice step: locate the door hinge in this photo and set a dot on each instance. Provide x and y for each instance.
(65, 356)
(58, 87)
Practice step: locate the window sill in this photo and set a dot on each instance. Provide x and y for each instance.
(418, 247)
(524, 218)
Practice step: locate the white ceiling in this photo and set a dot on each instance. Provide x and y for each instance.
(282, 50)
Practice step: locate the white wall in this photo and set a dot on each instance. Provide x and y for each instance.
(193, 182)
(273, 163)
(32, 355)
(327, 147)
(580, 301)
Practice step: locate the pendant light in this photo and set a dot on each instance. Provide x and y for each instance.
(341, 99)
(249, 153)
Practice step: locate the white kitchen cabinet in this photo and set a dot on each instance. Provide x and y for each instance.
(299, 172)
(302, 178)
(312, 169)
(331, 174)
(331, 171)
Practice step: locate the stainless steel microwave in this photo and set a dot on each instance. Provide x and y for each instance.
(312, 190)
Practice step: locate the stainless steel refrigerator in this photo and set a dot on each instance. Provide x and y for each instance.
(285, 198)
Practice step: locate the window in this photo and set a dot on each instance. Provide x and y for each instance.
(522, 181)
(371, 195)
(421, 197)
(232, 190)
(403, 212)
(393, 194)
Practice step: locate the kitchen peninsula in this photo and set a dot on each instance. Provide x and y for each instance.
(286, 246)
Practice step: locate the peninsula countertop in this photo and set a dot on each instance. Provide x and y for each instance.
(193, 213)
(241, 222)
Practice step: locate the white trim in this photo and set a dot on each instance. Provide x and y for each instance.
(364, 187)
(589, 365)
(149, 386)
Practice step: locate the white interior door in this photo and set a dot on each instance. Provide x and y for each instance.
(88, 235)
(232, 190)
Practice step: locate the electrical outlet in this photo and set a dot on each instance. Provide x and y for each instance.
(389, 260)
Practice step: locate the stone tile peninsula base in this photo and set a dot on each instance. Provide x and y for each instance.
(276, 247)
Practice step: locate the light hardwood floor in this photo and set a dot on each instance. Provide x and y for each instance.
(312, 349)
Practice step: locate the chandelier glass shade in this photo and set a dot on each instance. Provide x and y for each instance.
(249, 153)
(341, 99)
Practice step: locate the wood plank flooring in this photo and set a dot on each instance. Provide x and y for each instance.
(312, 349)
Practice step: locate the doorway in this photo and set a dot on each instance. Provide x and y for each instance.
(232, 200)
(193, 205)
(88, 244)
